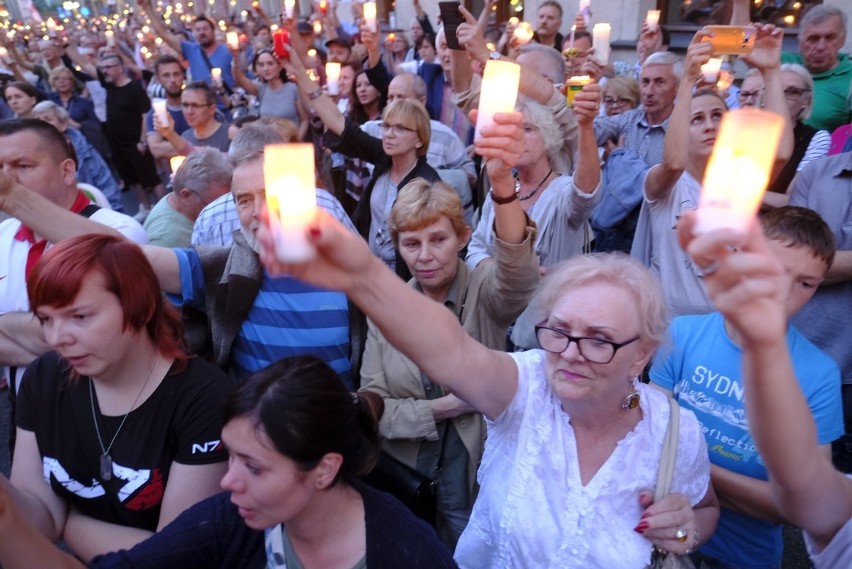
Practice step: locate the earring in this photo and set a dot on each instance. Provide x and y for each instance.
(631, 401)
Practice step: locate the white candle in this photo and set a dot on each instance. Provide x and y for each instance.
(523, 34)
(332, 75)
(710, 70)
(370, 16)
(499, 91)
(175, 162)
(586, 10)
(739, 169)
(51, 25)
(317, 27)
(159, 106)
(216, 75)
(600, 41)
(513, 21)
(110, 37)
(653, 19)
(288, 171)
(233, 40)
(289, 8)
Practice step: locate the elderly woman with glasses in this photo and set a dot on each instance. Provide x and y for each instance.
(574, 438)
(425, 426)
(620, 94)
(399, 157)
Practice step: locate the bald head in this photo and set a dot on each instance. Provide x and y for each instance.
(407, 86)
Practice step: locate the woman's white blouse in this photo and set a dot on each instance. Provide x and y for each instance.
(533, 511)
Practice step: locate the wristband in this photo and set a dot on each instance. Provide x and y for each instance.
(504, 201)
(314, 95)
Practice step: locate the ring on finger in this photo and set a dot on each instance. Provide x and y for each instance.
(681, 535)
(708, 270)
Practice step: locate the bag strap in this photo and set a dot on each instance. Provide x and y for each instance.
(669, 454)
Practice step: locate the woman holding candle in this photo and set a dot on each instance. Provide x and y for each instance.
(278, 97)
(109, 425)
(426, 427)
(298, 443)
(558, 202)
(673, 186)
(574, 439)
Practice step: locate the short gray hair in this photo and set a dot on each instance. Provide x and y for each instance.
(249, 143)
(666, 58)
(201, 169)
(822, 12)
(554, 66)
(50, 106)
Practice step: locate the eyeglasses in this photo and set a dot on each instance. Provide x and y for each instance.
(193, 106)
(620, 101)
(743, 95)
(395, 129)
(595, 350)
(794, 92)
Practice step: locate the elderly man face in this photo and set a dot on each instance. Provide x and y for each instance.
(819, 44)
(659, 87)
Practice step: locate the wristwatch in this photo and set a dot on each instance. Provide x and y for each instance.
(495, 55)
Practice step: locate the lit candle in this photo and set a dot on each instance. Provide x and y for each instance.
(110, 37)
(216, 75)
(323, 7)
(653, 19)
(332, 74)
(280, 40)
(289, 8)
(586, 10)
(175, 162)
(600, 41)
(288, 171)
(370, 16)
(233, 40)
(51, 26)
(514, 21)
(160, 110)
(710, 70)
(523, 34)
(739, 169)
(571, 40)
(575, 85)
(499, 91)
(317, 27)
(790, 19)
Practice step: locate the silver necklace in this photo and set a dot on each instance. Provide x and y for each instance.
(106, 459)
(535, 191)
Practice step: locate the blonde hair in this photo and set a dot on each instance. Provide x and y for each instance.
(411, 114)
(615, 269)
(421, 203)
(628, 87)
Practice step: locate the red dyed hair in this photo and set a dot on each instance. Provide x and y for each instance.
(58, 276)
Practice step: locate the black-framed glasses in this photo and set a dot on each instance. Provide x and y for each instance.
(395, 129)
(595, 350)
(794, 92)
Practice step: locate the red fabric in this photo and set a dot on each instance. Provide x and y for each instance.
(38, 247)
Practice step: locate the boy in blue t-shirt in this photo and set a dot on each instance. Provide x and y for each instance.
(703, 369)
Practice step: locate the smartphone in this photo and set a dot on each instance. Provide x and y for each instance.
(732, 39)
(451, 18)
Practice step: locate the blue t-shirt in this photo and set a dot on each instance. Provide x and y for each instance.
(198, 69)
(703, 369)
(287, 318)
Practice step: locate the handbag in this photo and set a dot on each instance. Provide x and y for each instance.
(664, 559)
(414, 489)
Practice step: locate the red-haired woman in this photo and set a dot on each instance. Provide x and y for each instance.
(118, 429)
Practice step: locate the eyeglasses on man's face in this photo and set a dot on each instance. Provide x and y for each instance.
(595, 350)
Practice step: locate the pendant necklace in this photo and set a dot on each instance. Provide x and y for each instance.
(535, 191)
(106, 459)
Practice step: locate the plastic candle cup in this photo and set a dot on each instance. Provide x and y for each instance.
(499, 91)
(600, 41)
(288, 171)
(332, 75)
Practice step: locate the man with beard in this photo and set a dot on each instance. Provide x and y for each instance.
(203, 54)
(235, 313)
(170, 74)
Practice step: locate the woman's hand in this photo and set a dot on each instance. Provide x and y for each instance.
(698, 53)
(587, 104)
(767, 48)
(743, 278)
(501, 144)
(663, 521)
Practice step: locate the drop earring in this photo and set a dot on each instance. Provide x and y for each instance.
(631, 401)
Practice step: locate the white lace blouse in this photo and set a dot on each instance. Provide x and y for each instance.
(533, 511)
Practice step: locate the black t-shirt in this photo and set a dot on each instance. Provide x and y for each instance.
(180, 422)
(125, 107)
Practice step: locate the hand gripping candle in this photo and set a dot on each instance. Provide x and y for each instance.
(499, 91)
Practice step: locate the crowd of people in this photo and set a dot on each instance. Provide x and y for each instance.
(526, 318)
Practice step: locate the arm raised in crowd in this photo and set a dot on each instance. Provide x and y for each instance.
(160, 26)
(750, 288)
